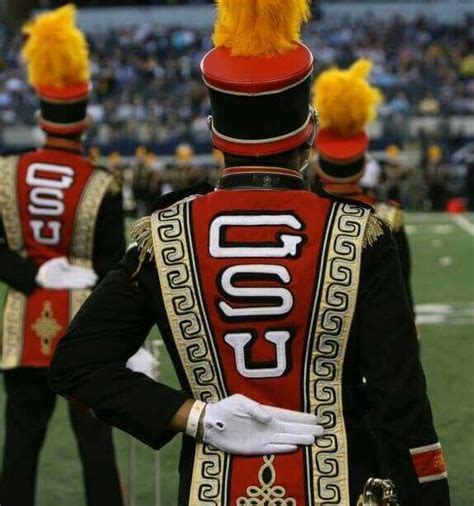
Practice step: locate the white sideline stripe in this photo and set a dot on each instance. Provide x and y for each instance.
(435, 308)
(431, 319)
(431, 228)
(445, 314)
(443, 228)
(464, 223)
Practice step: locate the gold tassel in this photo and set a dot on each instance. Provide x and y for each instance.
(140, 232)
(374, 230)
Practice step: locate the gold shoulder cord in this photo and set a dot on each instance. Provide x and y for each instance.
(140, 232)
(373, 231)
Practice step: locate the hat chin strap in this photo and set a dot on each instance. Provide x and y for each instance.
(305, 166)
(310, 142)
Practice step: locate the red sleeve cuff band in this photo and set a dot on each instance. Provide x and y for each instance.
(429, 463)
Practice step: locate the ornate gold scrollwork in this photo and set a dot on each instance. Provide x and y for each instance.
(47, 328)
(266, 494)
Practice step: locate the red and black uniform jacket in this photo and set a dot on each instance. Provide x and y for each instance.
(53, 203)
(265, 289)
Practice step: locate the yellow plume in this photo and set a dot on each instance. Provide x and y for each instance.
(56, 50)
(259, 27)
(345, 100)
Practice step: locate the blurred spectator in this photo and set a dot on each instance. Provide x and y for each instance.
(429, 105)
(436, 174)
(394, 173)
(399, 104)
(371, 178)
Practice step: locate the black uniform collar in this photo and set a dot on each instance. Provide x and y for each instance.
(261, 178)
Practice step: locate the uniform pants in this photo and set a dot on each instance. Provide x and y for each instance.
(29, 406)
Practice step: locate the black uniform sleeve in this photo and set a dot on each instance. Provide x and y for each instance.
(401, 239)
(17, 272)
(399, 409)
(109, 240)
(89, 364)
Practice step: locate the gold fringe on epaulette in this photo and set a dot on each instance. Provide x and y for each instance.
(140, 232)
(398, 220)
(373, 231)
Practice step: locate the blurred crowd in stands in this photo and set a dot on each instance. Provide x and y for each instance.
(148, 88)
(148, 91)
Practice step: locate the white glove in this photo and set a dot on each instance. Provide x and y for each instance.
(143, 361)
(241, 426)
(59, 274)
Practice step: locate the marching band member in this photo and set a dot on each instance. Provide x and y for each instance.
(61, 230)
(347, 104)
(272, 302)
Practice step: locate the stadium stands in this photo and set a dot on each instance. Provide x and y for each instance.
(147, 87)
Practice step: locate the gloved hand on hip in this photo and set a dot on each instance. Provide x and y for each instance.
(59, 274)
(241, 426)
(143, 361)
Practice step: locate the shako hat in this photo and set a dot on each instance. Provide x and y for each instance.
(57, 57)
(259, 77)
(347, 104)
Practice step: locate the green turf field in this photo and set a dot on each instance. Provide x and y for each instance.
(443, 251)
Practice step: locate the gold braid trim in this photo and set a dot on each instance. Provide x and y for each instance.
(374, 230)
(140, 232)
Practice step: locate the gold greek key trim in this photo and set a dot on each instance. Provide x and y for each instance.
(9, 210)
(13, 322)
(76, 300)
(335, 315)
(82, 247)
(173, 257)
(86, 218)
(15, 302)
(267, 493)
